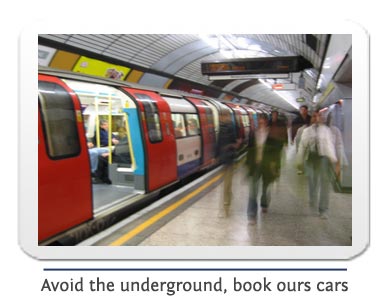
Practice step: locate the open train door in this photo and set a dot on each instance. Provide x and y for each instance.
(64, 182)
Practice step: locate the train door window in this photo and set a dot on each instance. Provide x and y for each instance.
(178, 122)
(246, 121)
(209, 115)
(227, 116)
(192, 122)
(152, 117)
(59, 121)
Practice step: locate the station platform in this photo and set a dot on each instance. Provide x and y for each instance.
(192, 216)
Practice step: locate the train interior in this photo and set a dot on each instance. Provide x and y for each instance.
(99, 103)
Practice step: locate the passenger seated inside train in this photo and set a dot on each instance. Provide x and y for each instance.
(94, 154)
(120, 155)
(104, 135)
(193, 128)
(178, 129)
(121, 133)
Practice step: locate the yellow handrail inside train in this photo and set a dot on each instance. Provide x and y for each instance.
(133, 162)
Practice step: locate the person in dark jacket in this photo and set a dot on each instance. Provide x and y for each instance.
(303, 119)
(256, 156)
(277, 138)
(104, 135)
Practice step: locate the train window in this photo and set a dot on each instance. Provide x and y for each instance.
(192, 123)
(59, 121)
(245, 120)
(178, 122)
(152, 118)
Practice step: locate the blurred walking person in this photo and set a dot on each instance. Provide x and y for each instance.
(317, 153)
(275, 142)
(303, 119)
(227, 148)
(256, 170)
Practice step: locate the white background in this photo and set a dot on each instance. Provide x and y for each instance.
(22, 276)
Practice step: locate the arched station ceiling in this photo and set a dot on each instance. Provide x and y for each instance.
(180, 56)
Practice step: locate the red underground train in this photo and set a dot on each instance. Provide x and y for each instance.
(170, 135)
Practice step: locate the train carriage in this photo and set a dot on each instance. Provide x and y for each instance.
(186, 123)
(170, 135)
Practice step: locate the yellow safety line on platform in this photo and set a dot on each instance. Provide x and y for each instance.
(120, 241)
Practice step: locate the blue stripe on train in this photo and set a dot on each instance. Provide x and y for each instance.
(136, 138)
(188, 168)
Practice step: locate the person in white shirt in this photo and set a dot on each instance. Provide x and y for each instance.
(297, 140)
(317, 152)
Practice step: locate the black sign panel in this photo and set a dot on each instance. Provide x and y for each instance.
(262, 65)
